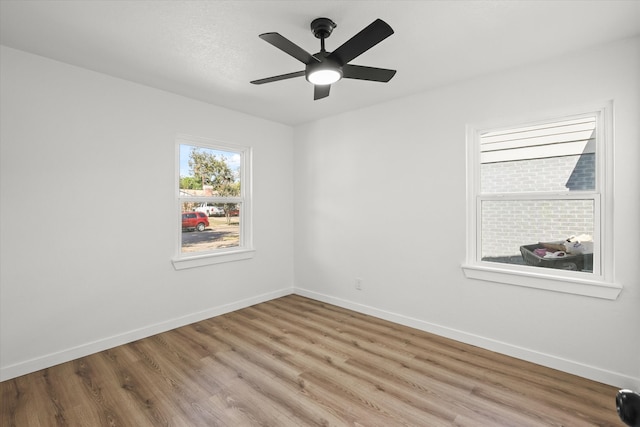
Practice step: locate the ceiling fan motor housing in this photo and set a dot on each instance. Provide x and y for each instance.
(327, 65)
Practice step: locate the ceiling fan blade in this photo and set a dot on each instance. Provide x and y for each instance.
(280, 77)
(377, 31)
(287, 46)
(360, 72)
(320, 91)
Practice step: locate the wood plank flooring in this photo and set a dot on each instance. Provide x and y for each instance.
(299, 362)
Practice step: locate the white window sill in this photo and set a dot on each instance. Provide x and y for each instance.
(544, 280)
(202, 260)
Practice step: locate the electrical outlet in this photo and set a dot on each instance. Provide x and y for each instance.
(358, 283)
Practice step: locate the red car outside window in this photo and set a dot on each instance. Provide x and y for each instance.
(194, 221)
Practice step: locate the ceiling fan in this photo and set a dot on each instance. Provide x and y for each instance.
(324, 68)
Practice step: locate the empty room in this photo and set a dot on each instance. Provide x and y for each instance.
(300, 213)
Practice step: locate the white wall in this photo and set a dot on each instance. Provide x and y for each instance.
(87, 225)
(380, 195)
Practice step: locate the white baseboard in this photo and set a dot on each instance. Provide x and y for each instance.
(591, 372)
(38, 363)
(570, 366)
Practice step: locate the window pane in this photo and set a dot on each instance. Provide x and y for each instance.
(201, 232)
(510, 225)
(558, 156)
(205, 172)
(553, 174)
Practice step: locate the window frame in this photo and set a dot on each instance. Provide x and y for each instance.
(600, 283)
(245, 249)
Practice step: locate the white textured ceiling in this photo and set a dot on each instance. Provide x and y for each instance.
(210, 50)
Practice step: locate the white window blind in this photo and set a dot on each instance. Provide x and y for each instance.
(563, 138)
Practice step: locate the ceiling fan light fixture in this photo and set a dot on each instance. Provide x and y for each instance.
(325, 76)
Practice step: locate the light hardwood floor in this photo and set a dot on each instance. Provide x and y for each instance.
(299, 362)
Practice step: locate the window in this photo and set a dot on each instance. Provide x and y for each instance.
(539, 204)
(213, 202)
